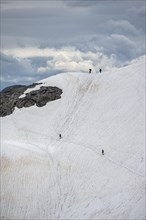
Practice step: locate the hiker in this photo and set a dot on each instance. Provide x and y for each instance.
(100, 70)
(90, 70)
(102, 152)
(60, 136)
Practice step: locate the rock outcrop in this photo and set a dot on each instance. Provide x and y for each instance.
(9, 97)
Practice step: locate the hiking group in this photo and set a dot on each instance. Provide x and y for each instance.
(90, 70)
(60, 136)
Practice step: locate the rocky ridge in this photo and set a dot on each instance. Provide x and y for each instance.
(10, 97)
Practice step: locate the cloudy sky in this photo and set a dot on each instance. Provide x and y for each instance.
(41, 38)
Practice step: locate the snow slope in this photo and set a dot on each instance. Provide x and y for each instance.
(43, 177)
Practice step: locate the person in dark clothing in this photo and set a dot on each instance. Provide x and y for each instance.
(60, 136)
(102, 152)
(90, 70)
(100, 70)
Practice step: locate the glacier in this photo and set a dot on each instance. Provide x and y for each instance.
(45, 177)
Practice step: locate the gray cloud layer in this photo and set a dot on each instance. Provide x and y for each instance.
(73, 29)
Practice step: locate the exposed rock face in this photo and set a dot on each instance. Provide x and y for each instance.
(9, 97)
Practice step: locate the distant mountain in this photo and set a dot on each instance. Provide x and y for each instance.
(12, 87)
(45, 175)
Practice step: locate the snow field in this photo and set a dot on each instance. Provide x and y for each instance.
(44, 177)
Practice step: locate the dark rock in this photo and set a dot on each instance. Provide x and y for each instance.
(29, 103)
(20, 103)
(10, 97)
(41, 103)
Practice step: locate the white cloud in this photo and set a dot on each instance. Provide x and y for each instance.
(64, 59)
(29, 52)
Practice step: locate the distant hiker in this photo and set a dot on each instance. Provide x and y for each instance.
(90, 70)
(60, 136)
(100, 70)
(102, 152)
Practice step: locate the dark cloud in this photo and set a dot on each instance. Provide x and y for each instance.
(138, 11)
(80, 3)
(56, 24)
(31, 13)
(123, 27)
(14, 71)
(39, 62)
